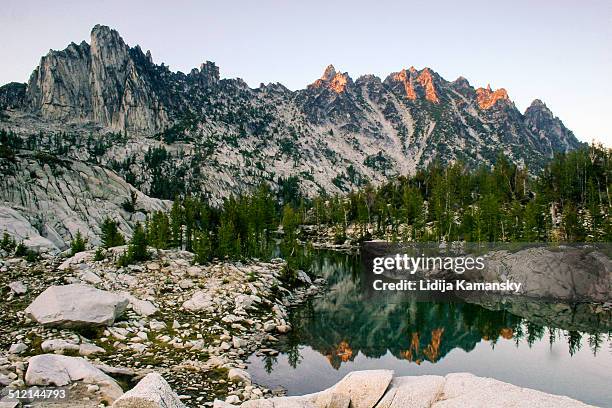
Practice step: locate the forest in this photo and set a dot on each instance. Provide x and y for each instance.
(569, 201)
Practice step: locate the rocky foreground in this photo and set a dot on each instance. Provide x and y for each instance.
(98, 328)
(380, 389)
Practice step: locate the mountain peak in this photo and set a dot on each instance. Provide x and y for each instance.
(329, 73)
(332, 80)
(426, 80)
(487, 98)
(538, 104)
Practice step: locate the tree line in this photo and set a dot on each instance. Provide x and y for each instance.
(568, 201)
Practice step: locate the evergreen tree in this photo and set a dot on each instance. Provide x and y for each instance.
(77, 244)
(111, 237)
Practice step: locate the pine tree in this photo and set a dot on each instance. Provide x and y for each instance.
(111, 237)
(77, 244)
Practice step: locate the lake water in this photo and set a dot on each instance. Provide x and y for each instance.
(560, 349)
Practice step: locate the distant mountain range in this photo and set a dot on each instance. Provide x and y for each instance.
(168, 133)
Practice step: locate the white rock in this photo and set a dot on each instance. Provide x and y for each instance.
(76, 259)
(303, 276)
(199, 300)
(414, 391)
(18, 287)
(238, 375)
(157, 325)
(186, 284)
(150, 392)
(466, 390)
(58, 345)
(194, 271)
(17, 348)
(88, 349)
(90, 277)
(142, 307)
(58, 370)
(364, 388)
(76, 305)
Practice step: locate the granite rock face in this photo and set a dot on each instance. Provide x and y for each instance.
(47, 201)
(100, 82)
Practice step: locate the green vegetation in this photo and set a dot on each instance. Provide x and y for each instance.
(8, 243)
(77, 244)
(137, 247)
(568, 201)
(111, 237)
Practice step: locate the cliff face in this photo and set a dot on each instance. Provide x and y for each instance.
(103, 82)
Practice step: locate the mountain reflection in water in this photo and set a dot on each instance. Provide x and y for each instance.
(557, 348)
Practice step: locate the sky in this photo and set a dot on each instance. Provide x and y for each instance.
(559, 51)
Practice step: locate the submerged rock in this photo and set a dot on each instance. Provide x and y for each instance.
(76, 305)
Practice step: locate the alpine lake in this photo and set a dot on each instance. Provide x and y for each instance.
(553, 347)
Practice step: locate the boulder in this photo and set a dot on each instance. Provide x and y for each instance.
(150, 392)
(467, 390)
(58, 346)
(199, 300)
(18, 287)
(88, 349)
(363, 388)
(17, 348)
(76, 305)
(417, 391)
(142, 307)
(238, 375)
(58, 370)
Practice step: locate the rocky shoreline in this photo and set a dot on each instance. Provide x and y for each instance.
(194, 325)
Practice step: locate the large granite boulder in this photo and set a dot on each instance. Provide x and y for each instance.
(466, 390)
(150, 392)
(417, 391)
(58, 370)
(76, 305)
(378, 389)
(363, 388)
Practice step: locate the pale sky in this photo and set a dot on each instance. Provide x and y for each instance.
(559, 51)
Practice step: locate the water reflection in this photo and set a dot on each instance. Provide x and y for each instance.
(352, 331)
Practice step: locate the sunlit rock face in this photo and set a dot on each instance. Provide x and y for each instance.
(487, 98)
